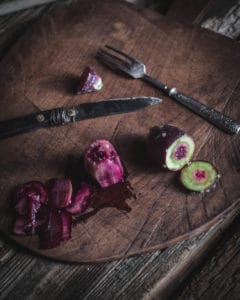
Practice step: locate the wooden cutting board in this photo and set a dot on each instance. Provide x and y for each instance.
(40, 72)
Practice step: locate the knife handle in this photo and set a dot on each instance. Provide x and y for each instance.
(211, 115)
(53, 117)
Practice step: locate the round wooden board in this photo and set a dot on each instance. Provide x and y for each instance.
(39, 73)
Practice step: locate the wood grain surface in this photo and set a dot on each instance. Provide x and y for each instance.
(37, 75)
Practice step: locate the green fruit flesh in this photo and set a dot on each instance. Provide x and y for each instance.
(199, 176)
(179, 153)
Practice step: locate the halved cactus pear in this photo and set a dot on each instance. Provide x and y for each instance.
(199, 176)
(103, 163)
(170, 146)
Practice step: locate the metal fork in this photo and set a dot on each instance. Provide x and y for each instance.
(128, 65)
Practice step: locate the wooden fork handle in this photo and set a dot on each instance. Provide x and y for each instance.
(213, 116)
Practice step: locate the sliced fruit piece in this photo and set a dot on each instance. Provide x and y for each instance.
(21, 226)
(60, 193)
(81, 200)
(21, 206)
(29, 198)
(90, 81)
(170, 146)
(34, 207)
(30, 191)
(66, 226)
(50, 233)
(199, 176)
(103, 163)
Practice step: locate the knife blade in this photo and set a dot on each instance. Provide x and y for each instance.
(64, 115)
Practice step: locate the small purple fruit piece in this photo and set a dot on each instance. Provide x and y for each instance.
(60, 193)
(90, 81)
(29, 197)
(81, 201)
(34, 207)
(103, 163)
(199, 176)
(21, 206)
(50, 233)
(30, 191)
(170, 147)
(66, 226)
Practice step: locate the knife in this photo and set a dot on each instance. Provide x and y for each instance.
(64, 115)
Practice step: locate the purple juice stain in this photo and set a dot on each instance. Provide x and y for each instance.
(112, 196)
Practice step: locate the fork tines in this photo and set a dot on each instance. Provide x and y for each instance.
(113, 61)
(121, 62)
(132, 59)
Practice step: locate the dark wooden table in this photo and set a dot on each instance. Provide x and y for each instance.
(204, 267)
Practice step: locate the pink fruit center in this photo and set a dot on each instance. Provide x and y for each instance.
(199, 174)
(98, 154)
(180, 152)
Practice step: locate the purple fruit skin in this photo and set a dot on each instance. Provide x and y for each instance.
(21, 227)
(33, 190)
(60, 193)
(28, 200)
(87, 80)
(160, 139)
(66, 226)
(50, 233)
(34, 207)
(21, 207)
(81, 200)
(36, 215)
(103, 163)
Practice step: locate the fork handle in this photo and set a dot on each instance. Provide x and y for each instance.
(215, 117)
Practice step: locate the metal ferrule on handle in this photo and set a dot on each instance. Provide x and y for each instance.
(215, 117)
(53, 117)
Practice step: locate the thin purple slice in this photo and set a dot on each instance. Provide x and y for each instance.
(33, 191)
(21, 226)
(66, 226)
(50, 233)
(60, 193)
(81, 200)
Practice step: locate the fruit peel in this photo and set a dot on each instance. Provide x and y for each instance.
(60, 193)
(81, 200)
(90, 82)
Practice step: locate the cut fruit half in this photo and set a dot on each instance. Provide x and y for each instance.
(170, 147)
(199, 176)
(60, 193)
(103, 163)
